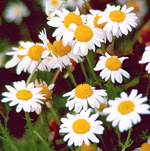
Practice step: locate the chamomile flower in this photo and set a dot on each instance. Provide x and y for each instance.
(83, 95)
(34, 52)
(14, 12)
(62, 21)
(144, 147)
(81, 128)
(124, 110)
(117, 18)
(86, 37)
(93, 17)
(61, 54)
(111, 68)
(52, 5)
(146, 58)
(16, 55)
(26, 98)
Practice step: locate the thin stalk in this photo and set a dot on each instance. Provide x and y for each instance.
(103, 48)
(127, 143)
(84, 71)
(42, 140)
(102, 142)
(112, 45)
(148, 87)
(7, 137)
(55, 115)
(87, 4)
(93, 73)
(71, 76)
(31, 75)
(30, 127)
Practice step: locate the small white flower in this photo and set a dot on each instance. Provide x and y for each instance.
(146, 59)
(25, 97)
(83, 95)
(81, 128)
(111, 68)
(117, 18)
(124, 110)
(14, 12)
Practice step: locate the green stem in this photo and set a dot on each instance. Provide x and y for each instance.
(55, 115)
(148, 87)
(127, 143)
(103, 48)
(112, 45)
(87, 4)
(102, 142)
(118, 134)
(71, 76)
(42, 140)
(31, 75)
(84, 71)
(7, 137)
(30, 127)
(113, 90)
(92, 71)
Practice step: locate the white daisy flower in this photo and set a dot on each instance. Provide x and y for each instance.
(25, 97)
(52, 5)
(62, 20)
(86, 37)
(94, 17)
(14, 12)
(34, 52)
(61, 55)
(118, 19)
(111, 68)
(16, 55)
(146, 58)
(144, 147)
(83, 95)
(81, 128)
(124, 110)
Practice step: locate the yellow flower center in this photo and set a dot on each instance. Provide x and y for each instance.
(81, 126)
(47, 93)
(117, 16)
(96, 20)
(126, 107)
(21, 56)
(145, 147)
(35, 52)
(83, 91)
(101, 107)
(18, 10)
(90, 147)
(60, 50)
(113, 63)
(54, 2)
(72, 18)
(24, 95)
(83, 33)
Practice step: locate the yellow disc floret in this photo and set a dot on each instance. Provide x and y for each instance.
(35, 52)
(96, 20)
(145, 147)
(126, 107)
(113, 63)
(21, 56)
(54, 2)
(81, 126)
(83, 33)
(24, 95)
(83, 91)
(89, 147)
(61, 50)
(117, 16)
(72, 18)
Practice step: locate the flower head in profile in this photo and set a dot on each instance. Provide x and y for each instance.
(117, 18)
(111, 68)
(125, 110)
(60, 55)
(86, 37)
(33, 54)
(62, 20)
(26, 98)
(81, 128)
(15, 12)
(84, 95)
(146, 59)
